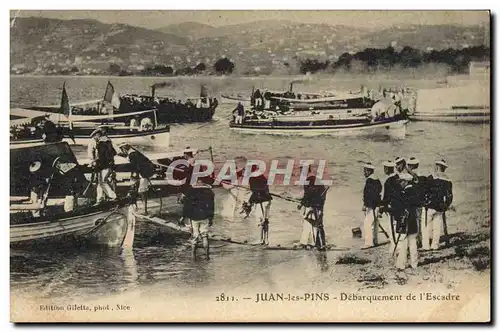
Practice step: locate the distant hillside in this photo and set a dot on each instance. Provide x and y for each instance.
(437, 37)
(191, 30)
(50, 46)
(46, 41)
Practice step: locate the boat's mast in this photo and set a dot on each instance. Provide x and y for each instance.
(156, 119)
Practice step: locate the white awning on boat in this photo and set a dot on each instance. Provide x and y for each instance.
(25, 121)
(101, 117)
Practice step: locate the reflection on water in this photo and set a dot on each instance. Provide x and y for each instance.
(99, 272)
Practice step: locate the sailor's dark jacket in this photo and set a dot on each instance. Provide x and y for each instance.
(314, 194)
(391, 189)
(141, 165)
(105, 153)
(240, 110)
(404, 210)
(440, 195)
(371, 192)
(199, 203)
(260, 190)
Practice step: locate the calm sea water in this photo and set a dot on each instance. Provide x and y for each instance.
(78, 274)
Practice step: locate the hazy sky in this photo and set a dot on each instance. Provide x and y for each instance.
(364, 19)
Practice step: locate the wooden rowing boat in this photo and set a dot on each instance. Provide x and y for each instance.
(394, 128)
(53, 168)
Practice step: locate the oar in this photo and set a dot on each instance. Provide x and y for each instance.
(445, 230)
(45, 196)
(272, 194)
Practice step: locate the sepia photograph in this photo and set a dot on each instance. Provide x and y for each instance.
(279, 166)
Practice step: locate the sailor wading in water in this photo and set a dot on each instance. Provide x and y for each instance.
(236, 194)
(405, 213)
(261, 199)
(371, 200)
(313, 201)
(142, 171)
(102, 153)
(199, 209)
(391, 190)
(439, 199)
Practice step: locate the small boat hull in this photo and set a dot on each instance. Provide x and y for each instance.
(462, 115)
(102, 227)
(393, 129)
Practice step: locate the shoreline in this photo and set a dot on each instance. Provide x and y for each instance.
(445, 287)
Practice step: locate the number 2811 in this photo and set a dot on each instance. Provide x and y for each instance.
(223, 297)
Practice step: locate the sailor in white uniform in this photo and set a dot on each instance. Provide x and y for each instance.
(390, 191)
(439, 201)
(371, 201)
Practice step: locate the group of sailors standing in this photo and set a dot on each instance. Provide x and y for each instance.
(412, 206)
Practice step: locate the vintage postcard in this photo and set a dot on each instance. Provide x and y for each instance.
(250, 166)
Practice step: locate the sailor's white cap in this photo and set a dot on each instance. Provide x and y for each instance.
(188, 150)
(368, 165)
(441, 162)
(405, 176)
(389, 163)
(413, 161)
(399, 160)
(35, 166)
(96, 131)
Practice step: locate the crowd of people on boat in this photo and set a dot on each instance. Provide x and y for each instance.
(171, 110)
(41, 128)
(136, 102)
(100, 108)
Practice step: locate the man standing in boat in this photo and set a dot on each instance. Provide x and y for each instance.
(199, 209)
(313, 201)
(391, 190)
(142, 169)
(239, 112)
(440, 197)
(101, 153)
(371, 200)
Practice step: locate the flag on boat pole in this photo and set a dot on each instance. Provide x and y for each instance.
(65, 108)
(112, 97)
(203, 91)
